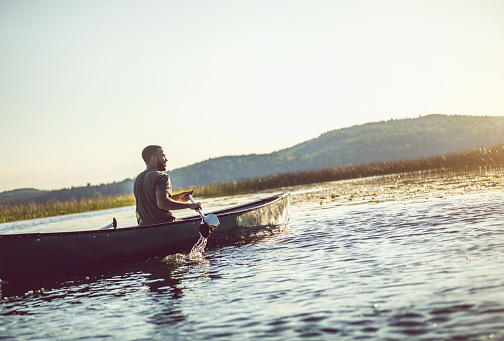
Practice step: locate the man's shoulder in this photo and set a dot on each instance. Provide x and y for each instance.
(152, 173)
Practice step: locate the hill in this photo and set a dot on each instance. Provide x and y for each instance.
(19, 196)
(405, 139)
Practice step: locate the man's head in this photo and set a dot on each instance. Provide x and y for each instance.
(154, 157)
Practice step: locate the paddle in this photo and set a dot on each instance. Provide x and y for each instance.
(114, 224)
(209, 223)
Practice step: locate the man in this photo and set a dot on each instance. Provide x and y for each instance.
(153, 191)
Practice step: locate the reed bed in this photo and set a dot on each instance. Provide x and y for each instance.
(476, 162)
(53, 208)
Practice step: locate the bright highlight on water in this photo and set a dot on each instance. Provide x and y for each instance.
(385, 259)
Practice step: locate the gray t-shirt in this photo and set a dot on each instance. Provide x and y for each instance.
(145, 187)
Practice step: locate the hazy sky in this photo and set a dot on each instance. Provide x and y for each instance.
(85, 85)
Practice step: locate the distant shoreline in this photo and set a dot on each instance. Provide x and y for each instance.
(471, 163)
(474, 161)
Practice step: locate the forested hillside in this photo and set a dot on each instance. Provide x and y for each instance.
(34, 195)
(426, 136)
(406, 139)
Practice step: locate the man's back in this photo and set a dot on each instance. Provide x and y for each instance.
(145, 187)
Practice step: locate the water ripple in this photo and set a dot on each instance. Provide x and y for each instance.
(409, 269)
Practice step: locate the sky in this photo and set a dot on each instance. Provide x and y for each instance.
(86, 85)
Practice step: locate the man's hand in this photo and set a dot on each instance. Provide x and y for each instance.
(196, 206)
(182, 197)
(175, 202)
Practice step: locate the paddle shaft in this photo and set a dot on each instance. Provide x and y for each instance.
(199, 210)
(209, 222)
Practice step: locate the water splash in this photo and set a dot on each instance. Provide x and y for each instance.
(176, 258)
(196, 253)
(199, 247)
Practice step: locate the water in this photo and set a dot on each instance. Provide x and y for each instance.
(420, 260)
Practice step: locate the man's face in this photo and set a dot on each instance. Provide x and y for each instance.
(160, 160)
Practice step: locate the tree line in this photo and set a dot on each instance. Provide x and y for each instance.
(393, 140)
(364, 150)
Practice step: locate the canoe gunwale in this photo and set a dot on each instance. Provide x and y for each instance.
(234, 210)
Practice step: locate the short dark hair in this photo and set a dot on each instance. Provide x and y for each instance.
(148, 151)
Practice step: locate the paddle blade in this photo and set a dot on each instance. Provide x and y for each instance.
(212, 220)
(205, 229)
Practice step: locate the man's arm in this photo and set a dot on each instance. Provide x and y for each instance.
(166, 203)
(184, 196)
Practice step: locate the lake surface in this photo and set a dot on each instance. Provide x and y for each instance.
(391, 259)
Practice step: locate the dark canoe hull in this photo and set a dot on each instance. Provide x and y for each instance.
(34, 255)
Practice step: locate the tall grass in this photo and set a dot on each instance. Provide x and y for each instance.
(53, 208)
(472, 162)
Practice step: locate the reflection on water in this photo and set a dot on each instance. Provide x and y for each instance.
(399, 261)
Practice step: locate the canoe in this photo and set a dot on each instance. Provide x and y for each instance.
(30, 255)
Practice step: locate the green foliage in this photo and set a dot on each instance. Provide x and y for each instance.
(66, 194)
(470, 162)
(372, 142)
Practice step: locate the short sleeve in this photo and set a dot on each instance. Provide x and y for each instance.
(163, 183)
